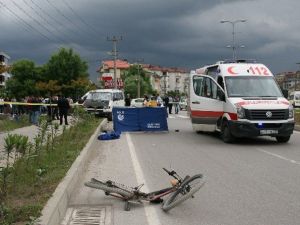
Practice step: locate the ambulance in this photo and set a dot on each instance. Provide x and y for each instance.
(239, 98)
(294, 98)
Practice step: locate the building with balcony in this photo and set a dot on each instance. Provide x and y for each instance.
(163, 79)
(4, 76)
(289, 80)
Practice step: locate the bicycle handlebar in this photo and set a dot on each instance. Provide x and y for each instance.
(172, 173)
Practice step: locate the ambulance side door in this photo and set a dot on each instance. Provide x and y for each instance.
(207, 101)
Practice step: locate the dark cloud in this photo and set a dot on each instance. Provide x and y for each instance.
(168, 33)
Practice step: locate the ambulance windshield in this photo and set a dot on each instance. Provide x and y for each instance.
(252, 86)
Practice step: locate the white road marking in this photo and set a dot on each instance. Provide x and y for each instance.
(279, 156)
(151, 214)
(184, 117)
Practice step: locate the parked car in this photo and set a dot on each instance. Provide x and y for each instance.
(137, 102)
(183, 104)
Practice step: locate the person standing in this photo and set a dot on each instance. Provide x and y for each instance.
(170, 104)
(127, 100)
(63, 108)
(34, 109)
(54, 108)
(146, 101)
(1, 104)
(176, 104)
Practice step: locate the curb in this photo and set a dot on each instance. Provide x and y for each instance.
(56, 207)
(297, 127)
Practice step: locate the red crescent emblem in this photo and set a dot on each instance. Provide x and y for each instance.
(230, 70)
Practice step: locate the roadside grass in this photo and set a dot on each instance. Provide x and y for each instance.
(33, 178)
(297, 116)
(6, 124)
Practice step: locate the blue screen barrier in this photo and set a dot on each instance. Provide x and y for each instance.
(140, 119)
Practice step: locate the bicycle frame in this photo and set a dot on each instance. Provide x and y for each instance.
(133, 194)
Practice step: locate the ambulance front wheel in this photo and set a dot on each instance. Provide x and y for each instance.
(283, 139)
(226, 135)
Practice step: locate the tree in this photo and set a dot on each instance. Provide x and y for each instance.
(131, 81)
(65, 66)
(49, 88)
(24, 77)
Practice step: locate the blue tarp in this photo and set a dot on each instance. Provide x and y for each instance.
(140, 119)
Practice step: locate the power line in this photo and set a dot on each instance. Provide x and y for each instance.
(63, 15)
(36, 21)
(17, 20)
(43, 18)
(51, 17)
(29, 25)
(45, 12)
(80, 18)
(78, 28)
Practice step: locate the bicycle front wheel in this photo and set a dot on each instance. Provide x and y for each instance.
(108, 188)
(185, 191)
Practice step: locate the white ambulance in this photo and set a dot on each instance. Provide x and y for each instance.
(294, 98)
(239, 99)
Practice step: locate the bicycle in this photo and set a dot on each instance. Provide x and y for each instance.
(181, 189)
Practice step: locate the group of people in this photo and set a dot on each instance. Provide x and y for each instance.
(37, 105)
(157, 101)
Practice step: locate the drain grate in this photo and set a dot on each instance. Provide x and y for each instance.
(88, 216)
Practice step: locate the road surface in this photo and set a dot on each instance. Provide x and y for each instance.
(252, 182)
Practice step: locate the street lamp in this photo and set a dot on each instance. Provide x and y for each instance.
(233, 33)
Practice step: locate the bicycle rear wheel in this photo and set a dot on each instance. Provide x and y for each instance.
(107, 188)
(185, 191)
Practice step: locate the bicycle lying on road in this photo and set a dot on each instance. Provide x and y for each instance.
(181, 190)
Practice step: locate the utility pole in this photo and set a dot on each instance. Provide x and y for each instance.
(114, 40)
(139, 77)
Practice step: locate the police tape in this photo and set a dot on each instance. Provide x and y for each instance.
(28, 103)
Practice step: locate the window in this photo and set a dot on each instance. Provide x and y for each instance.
(206, 87)
(197, 84)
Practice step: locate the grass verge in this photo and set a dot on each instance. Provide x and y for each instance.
(297, 116)
(6, 124)
(34, 177)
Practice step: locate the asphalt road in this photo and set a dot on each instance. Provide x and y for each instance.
(255, 181)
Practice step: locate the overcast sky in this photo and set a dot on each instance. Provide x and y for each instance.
(171, 33)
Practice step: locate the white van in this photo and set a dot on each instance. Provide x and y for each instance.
(294, 98)
(101, 101)
(239, 99)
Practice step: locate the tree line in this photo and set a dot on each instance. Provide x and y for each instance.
(65, 73)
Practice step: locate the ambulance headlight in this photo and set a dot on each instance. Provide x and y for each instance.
(240, 112)
(291, 111)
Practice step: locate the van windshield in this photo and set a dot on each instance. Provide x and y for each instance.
(252, 86)
(106, 96)
(297, 96)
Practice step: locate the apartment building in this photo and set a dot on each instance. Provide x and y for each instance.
(4, 76)
(163, 79)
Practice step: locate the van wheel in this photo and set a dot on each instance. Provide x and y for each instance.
(283, 139)
(226, 135)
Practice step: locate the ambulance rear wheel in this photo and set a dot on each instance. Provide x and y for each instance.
(283, 139)
(226, 135)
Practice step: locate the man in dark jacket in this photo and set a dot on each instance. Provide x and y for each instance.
(63, 107)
